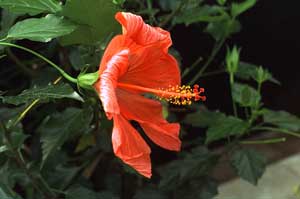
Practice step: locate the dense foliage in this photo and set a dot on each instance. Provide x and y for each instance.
(55, 140)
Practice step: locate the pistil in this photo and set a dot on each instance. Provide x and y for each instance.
(179, 95)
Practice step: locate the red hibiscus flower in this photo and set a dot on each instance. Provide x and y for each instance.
(135, 63)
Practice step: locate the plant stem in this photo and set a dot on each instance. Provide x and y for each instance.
(172, 14)
(231, 75)
(213, 73)
(268, 141)
(20, 64)
(91, 168)
(214, 52)
(149, 7)
(187, 70)
(46, 186)
(246, 112)
(259, 88)
(29, 107)
(62, 72)
(276, 130)
(23, 114)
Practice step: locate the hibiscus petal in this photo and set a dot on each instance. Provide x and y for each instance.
(149, 114)
(107, 83)
(134, 27)
(130, 147)
(150, 67)
(164, 135)
(114, 46)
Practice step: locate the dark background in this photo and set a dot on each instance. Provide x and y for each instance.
(269, 37)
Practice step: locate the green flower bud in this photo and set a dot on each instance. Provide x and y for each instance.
(86, 80)
(262, 75)
(232, 60)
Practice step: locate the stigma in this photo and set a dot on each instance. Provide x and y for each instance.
(178, 95)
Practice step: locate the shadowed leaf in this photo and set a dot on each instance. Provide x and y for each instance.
(249, 164)
(58, 128)
(43, 93)
(282, 119)
(245, 95)
(96, 20)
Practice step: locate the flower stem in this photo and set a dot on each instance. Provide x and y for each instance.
(215, 51)
(20, 64)
(62, 72)
(276, 130)
(231, 87)
(217, 72)
(171, 16)
(268, 141)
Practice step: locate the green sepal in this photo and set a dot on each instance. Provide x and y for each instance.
(86, 80)
(232, 60)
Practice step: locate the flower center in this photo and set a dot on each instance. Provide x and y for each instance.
(179, 95)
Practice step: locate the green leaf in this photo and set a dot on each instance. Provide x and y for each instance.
(61, 177)
(6, 114)
(119, 2)
(31, 7)
(203, 13)
(7, 20)
(194, 165)
(18, 137)
(96, 20)
(282, 119)
(203, 118)
(11, 174)
(88, 55)
(297, 191)
(201, 188)
(168, 5)
(223, 29)
(41, 29)
(85, 56)
(226, 127)
(192, 4)
(82, 192)
(3, 149)
(149, 193)
(43, 93)
(249, 164)
(7, 193)
(239, 8)
(197, 163)
(209, 188)
(245, 95)
(4, 195)
(248, 71)
(221, 2)
(58, 128)
(85, 141)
